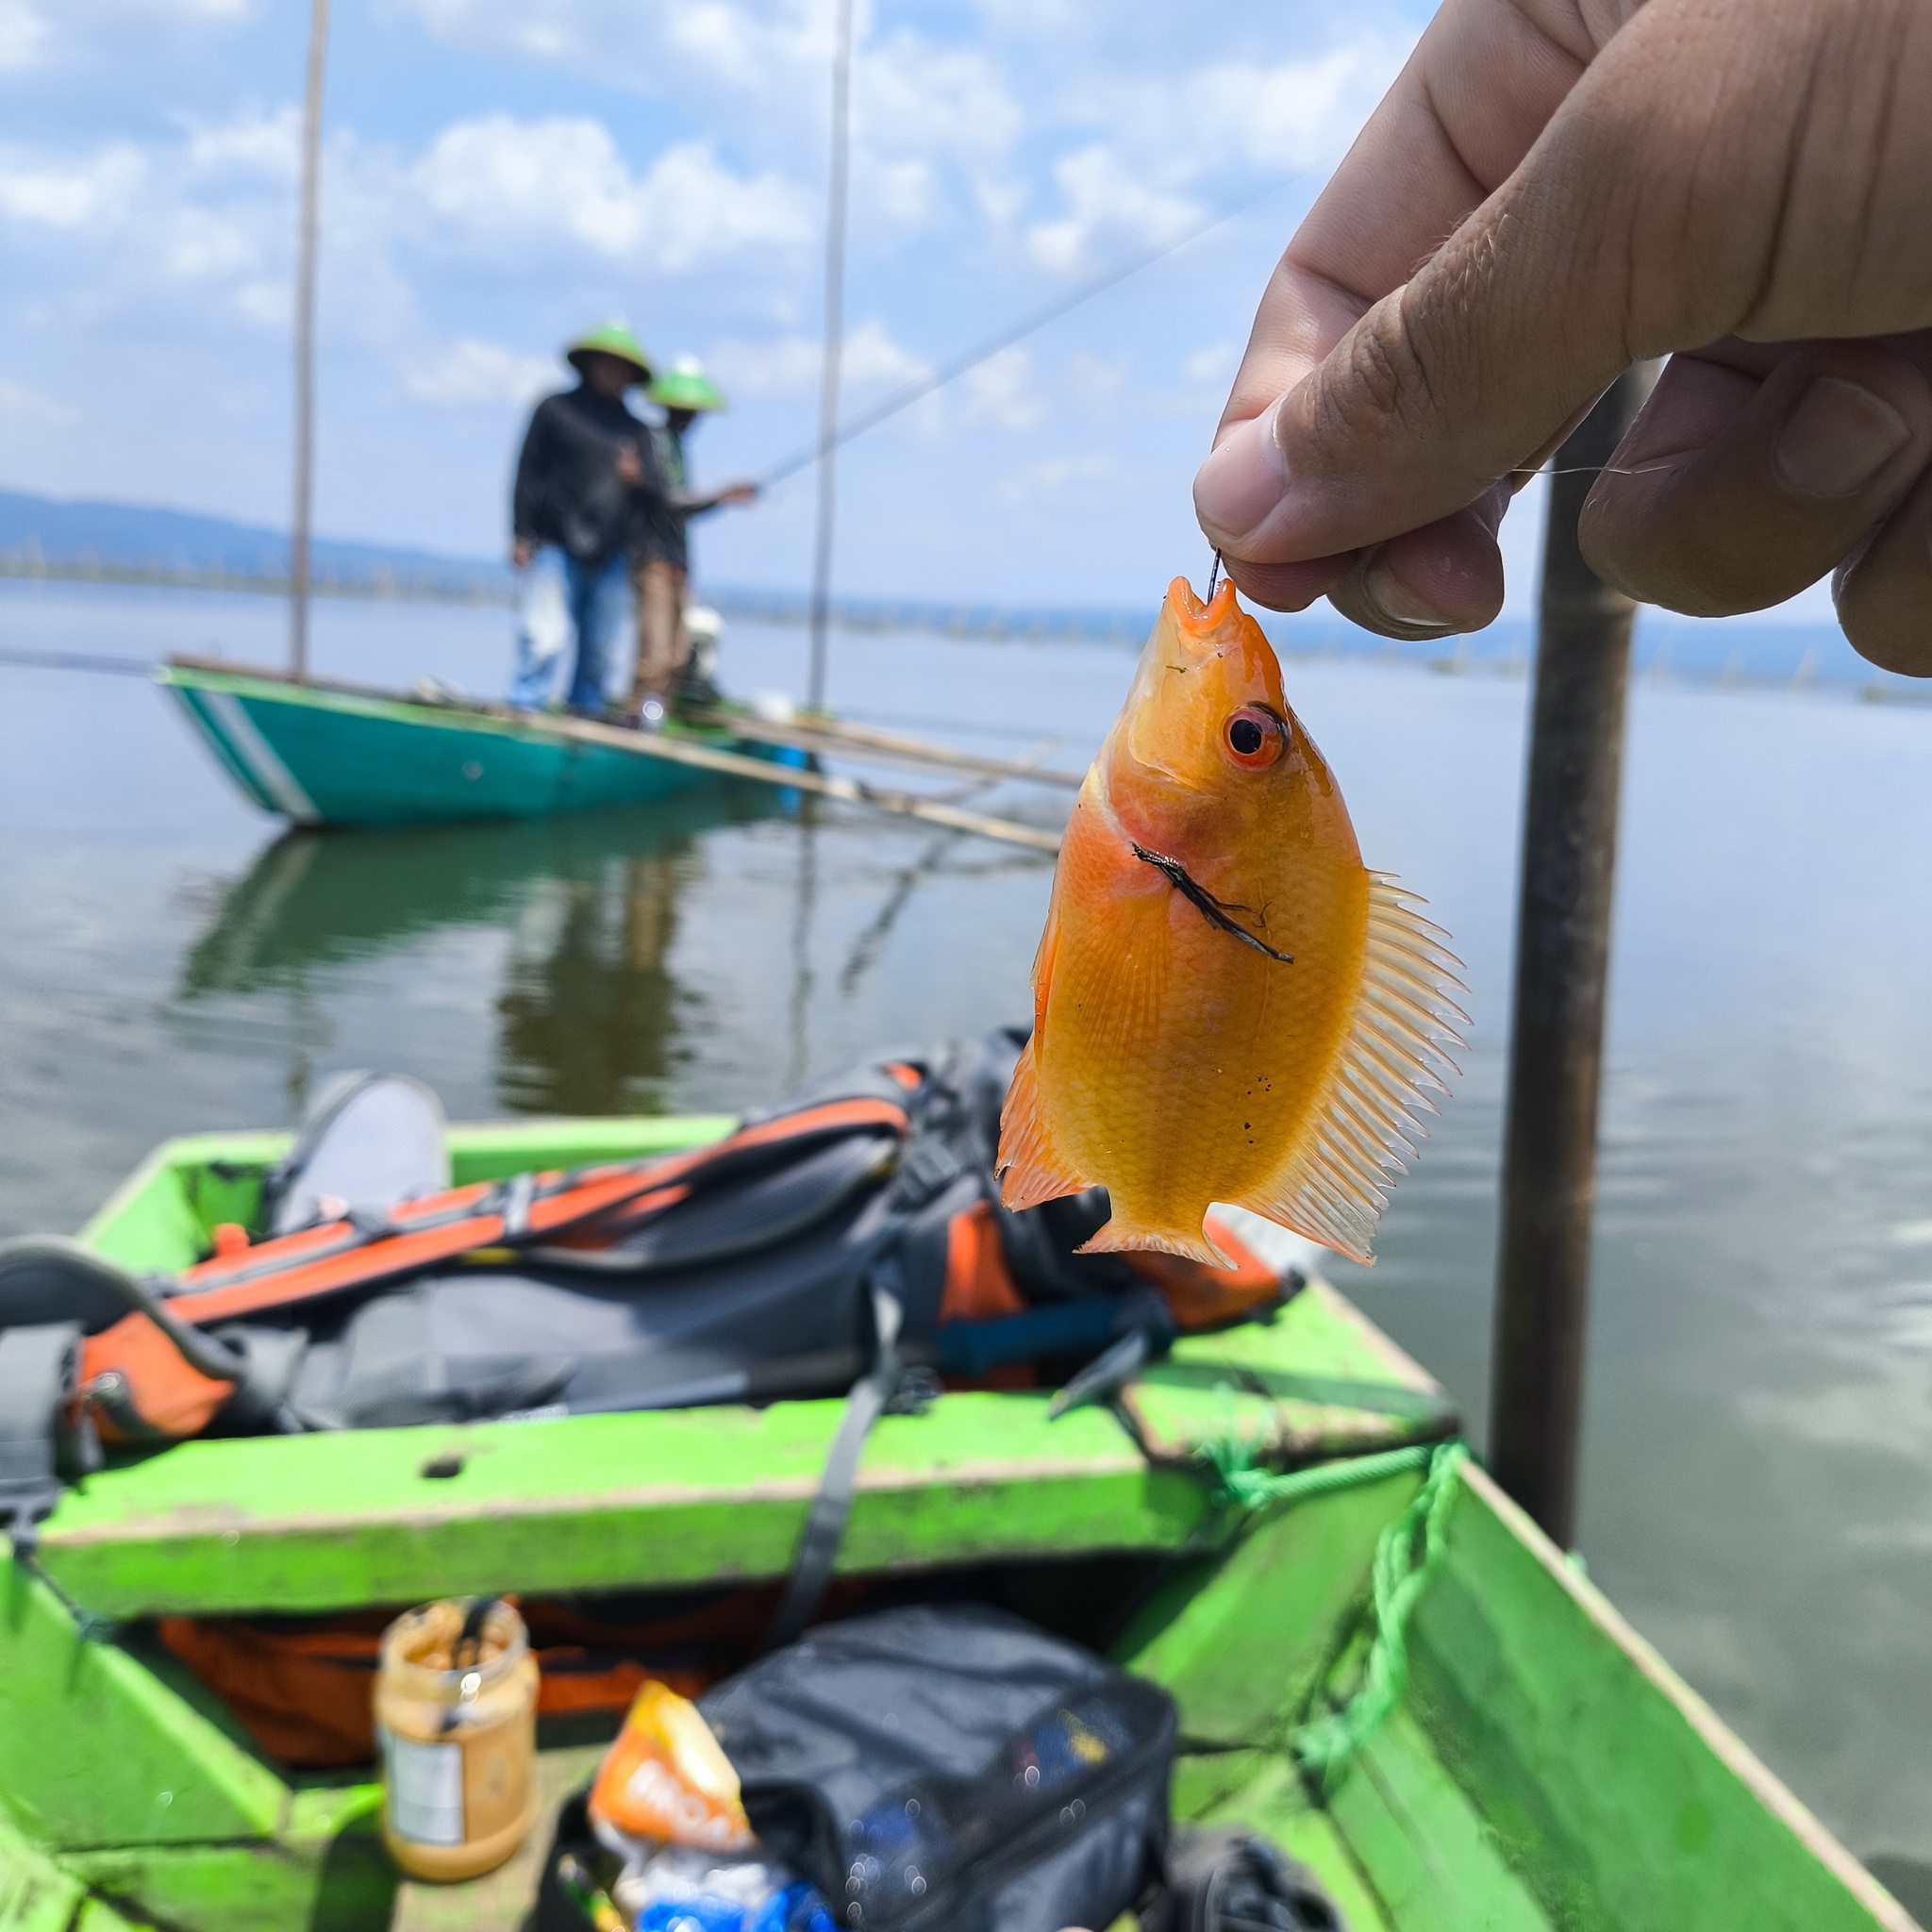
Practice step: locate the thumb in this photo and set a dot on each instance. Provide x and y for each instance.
(1604, 246)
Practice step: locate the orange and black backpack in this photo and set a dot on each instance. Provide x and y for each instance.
(858, 1224)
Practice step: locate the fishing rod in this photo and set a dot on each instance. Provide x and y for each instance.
(1029, 324)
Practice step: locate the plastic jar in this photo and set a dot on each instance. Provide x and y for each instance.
(458, 1740)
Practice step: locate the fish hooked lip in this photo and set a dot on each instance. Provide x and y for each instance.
(1215, 911)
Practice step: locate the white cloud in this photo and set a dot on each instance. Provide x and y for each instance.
(1082, 481)
(792, 365)
(1000, 391)
(91, 196)
(1292, 115)
(23, 33)
(871, 359)
(1105, 198)
(468, 373)
(261, 146)
(1213, 365)
(501, 179)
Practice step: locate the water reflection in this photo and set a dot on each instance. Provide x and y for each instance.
(590, 1014)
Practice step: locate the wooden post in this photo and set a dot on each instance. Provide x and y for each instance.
(1562, 957)
(305, 343)
(834, 352)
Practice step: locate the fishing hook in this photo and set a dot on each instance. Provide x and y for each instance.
(1213, 577)
(1211, 908)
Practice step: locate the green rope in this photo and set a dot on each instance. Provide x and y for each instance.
(1405, 1555)
(1257, 1488)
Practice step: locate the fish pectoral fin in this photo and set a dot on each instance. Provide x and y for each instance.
(1335, 1182)
(1124, 1237)
(1030, 1170)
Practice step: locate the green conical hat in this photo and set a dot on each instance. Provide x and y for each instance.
(611, 338)
(685, 386)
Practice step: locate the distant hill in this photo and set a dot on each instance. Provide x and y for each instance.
(45, 529)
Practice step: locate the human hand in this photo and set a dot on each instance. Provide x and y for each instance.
(1749, 186)
(521, 552)
(630, 468)
(739, 493)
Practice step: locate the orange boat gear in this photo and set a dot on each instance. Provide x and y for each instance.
(144, 1389)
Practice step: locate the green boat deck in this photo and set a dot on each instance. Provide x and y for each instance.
(1545, 1768)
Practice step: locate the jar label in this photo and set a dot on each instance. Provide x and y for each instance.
(425, 1790)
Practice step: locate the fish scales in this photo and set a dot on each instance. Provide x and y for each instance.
(1228, 1007)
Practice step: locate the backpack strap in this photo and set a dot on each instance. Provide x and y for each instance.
(155, 1374)
(824, 1527)
(37, 1371)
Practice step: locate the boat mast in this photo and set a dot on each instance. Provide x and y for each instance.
(1562, 968)
(305, 343)
(834, 351)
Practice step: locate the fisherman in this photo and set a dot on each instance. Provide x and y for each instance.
(662, 568)
(1746, 188)
(587, 478)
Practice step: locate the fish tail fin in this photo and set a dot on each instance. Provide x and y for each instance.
(1028, 1166)
(1123, 1236)
(1334, 1185)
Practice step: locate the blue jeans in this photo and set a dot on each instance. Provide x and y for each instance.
(560, 599)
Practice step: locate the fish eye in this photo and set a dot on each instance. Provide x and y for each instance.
(1257, 737)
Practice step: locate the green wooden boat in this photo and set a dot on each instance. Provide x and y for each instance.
(1515, 1759)
(329, 754)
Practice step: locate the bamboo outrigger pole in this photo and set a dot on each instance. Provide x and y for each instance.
(305, 343)
(834, 352)
(1562, 960)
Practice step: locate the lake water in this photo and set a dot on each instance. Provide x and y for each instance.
(1756, 1490)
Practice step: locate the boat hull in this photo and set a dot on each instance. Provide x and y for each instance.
(325, 754)
(1541, 1769)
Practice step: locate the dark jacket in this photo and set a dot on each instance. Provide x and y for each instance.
(568, 491)
(661, 521)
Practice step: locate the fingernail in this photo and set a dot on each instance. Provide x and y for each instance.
(1838, 438)
(1241, 480)
(1394, 602)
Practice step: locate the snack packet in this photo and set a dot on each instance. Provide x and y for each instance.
(665, 1777)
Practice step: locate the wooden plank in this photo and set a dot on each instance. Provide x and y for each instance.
(326, 1870)
(36, 1893)
(1271, 1801)
(1314, 1382)
(1240, 1638)
(1429, 1851)
(596, 1502)
(834, 736)
(1626, 1804)
(927, 811)
(95, 1749)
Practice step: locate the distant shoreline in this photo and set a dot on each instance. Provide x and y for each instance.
(988, 624)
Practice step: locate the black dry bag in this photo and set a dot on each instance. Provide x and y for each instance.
(948, 1768)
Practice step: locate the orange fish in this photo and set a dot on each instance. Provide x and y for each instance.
(1227, 1007)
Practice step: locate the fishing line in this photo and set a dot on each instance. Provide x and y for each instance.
(1014, 332)
(1593, 469)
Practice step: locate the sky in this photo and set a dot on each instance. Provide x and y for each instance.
(500, 173)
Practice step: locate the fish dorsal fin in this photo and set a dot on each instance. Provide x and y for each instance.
(1335, 1183)
(1030, 1170)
